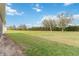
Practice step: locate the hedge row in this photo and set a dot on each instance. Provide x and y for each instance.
(70, 28)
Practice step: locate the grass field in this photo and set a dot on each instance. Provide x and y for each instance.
(45, 43)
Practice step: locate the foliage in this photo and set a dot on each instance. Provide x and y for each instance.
(12, 27)
(72, 28)
(22, 27)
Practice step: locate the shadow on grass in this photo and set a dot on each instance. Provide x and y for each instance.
(36, 46)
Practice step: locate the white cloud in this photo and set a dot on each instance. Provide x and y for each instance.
(11, 11)
(73, 24)
(29, 25)
(37, 8)
(9, 4)
(76, 16)
(37, 5)
(54, 17)
(66, 4)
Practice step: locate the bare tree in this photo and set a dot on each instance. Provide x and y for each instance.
(13, 27)
(22, 27)
(49, 22)
(64, 20)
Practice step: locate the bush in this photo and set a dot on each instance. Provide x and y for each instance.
(69, 28)
(72, 28)
(38, 29)
(24, 27)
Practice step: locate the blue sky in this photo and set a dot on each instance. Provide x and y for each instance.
(32, 13)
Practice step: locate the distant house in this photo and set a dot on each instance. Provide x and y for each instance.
(2, 17)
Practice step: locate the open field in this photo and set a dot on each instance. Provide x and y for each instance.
(46, 43)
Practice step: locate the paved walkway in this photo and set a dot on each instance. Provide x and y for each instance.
(9, 48)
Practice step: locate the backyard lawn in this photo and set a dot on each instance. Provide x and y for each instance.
(46, 43)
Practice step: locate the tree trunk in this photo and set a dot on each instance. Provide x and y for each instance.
(50, 28)
(62, 29)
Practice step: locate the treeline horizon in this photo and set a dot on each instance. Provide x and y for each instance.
(40, 28)
(59, 23)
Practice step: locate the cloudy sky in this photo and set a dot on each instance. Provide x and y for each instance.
(32, 13)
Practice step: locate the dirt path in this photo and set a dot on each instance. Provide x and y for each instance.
(9, 48)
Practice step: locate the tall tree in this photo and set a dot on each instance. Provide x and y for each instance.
(12, 27)
(48, 22)
(22, 27)
(64, 20)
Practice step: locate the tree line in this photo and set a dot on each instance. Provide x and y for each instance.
(60, 23)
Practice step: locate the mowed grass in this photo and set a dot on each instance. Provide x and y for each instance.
(46, 43)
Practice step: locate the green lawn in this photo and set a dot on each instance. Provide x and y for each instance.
(45, 43)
